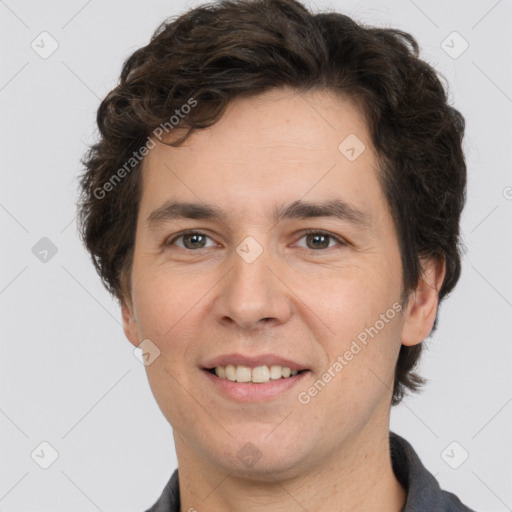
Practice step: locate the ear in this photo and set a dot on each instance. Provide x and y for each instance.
(129, 322)
(421, 309)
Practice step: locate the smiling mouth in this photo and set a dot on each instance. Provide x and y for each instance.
(254, 375)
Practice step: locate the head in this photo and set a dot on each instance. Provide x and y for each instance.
(250, 106)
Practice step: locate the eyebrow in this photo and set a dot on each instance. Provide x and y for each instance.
(299, 209)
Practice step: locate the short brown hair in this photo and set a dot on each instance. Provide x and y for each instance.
(239, 48)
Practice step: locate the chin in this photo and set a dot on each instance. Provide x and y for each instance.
(263, 459)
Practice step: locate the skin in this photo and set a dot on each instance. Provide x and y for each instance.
(295, 300)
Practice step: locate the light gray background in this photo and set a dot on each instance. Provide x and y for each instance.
(69, 377)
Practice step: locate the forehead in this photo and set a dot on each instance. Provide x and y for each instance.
(283, 122)
(267, 150)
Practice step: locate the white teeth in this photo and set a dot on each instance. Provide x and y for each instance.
(259, 374)
(275, 372)
(243, 374)
(230, 372)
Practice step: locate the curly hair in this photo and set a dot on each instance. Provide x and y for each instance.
(230, 49)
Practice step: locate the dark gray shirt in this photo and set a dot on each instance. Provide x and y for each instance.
(423, 491)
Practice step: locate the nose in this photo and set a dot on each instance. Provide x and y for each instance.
(253, 294)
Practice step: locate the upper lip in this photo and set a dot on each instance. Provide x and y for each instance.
(253, 361)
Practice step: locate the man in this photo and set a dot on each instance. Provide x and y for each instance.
(275, 201)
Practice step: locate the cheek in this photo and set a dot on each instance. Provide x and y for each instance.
(164, 301)
(347, 301)
(168, 310)
(358, 374)
(362, 313)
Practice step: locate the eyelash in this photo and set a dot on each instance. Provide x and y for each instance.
(305, 232)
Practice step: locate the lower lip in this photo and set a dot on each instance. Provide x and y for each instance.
(251, 392)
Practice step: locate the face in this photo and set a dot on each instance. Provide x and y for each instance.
(289, 260)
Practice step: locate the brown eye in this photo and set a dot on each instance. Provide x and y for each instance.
(316, 240)
(191, 240)
(194, 241)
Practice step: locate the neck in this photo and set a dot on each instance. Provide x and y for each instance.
(357, 477)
